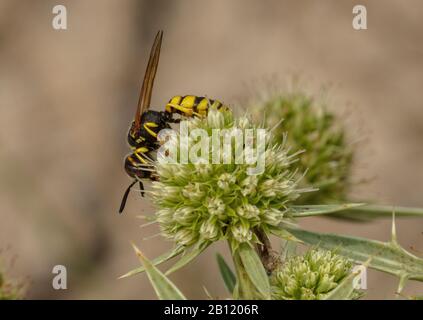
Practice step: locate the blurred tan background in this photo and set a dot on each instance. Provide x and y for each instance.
(67, 97)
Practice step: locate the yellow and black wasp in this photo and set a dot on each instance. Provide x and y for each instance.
(142, 135)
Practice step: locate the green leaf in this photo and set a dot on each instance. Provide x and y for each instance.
(388, 257)
(316, 210)
(163, 287)
(228, 276)
(289, 249)
(284, 234)
(244, 288)
(159, 260)
(345, 289)
(187, 258)
(254, 269)
(378, 211)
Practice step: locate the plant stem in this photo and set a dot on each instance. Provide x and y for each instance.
(267, 255)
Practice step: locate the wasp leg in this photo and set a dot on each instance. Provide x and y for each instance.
(125, 196)
(140, 153)
(149, 125)
(188, 112)
(142, 188)
(175, 120)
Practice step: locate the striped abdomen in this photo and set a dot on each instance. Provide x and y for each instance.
(192, 105)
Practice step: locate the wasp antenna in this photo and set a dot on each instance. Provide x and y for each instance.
(125, 196)
(141, 187)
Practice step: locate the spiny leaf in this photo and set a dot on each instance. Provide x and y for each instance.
(289, 249)
(315, 210)
(228, 276)
(187, 258)
(284, 234)
(159, 260)
(378, 211)
(163, 287)
(388, 257)
(254, 269)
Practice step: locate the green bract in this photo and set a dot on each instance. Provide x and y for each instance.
(309, 277)
(207, 202)
(311, 128)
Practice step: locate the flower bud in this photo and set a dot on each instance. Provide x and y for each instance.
(192, 191)
(210, 230)
(241, 232)
(309, 277)
(215, 206)
(185, 215)
(225, 180)
(185, 237)
(248, 211)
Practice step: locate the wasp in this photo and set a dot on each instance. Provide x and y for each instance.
(143, 132)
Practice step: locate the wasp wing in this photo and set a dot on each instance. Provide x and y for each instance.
(147, 84)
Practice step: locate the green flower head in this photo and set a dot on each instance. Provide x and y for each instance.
(309, 277)
(311, 128)
(218, 197)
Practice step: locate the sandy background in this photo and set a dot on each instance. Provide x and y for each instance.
(67, 97)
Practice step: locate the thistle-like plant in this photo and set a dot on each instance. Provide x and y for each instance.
(312, 128)
(202, 202)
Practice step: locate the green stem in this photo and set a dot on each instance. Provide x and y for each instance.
(269, 259)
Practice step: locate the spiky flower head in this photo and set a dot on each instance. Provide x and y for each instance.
(215, 199)
(327, 157)
(310, 276)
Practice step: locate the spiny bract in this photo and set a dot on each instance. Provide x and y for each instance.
(208, 202)
(309, 277)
